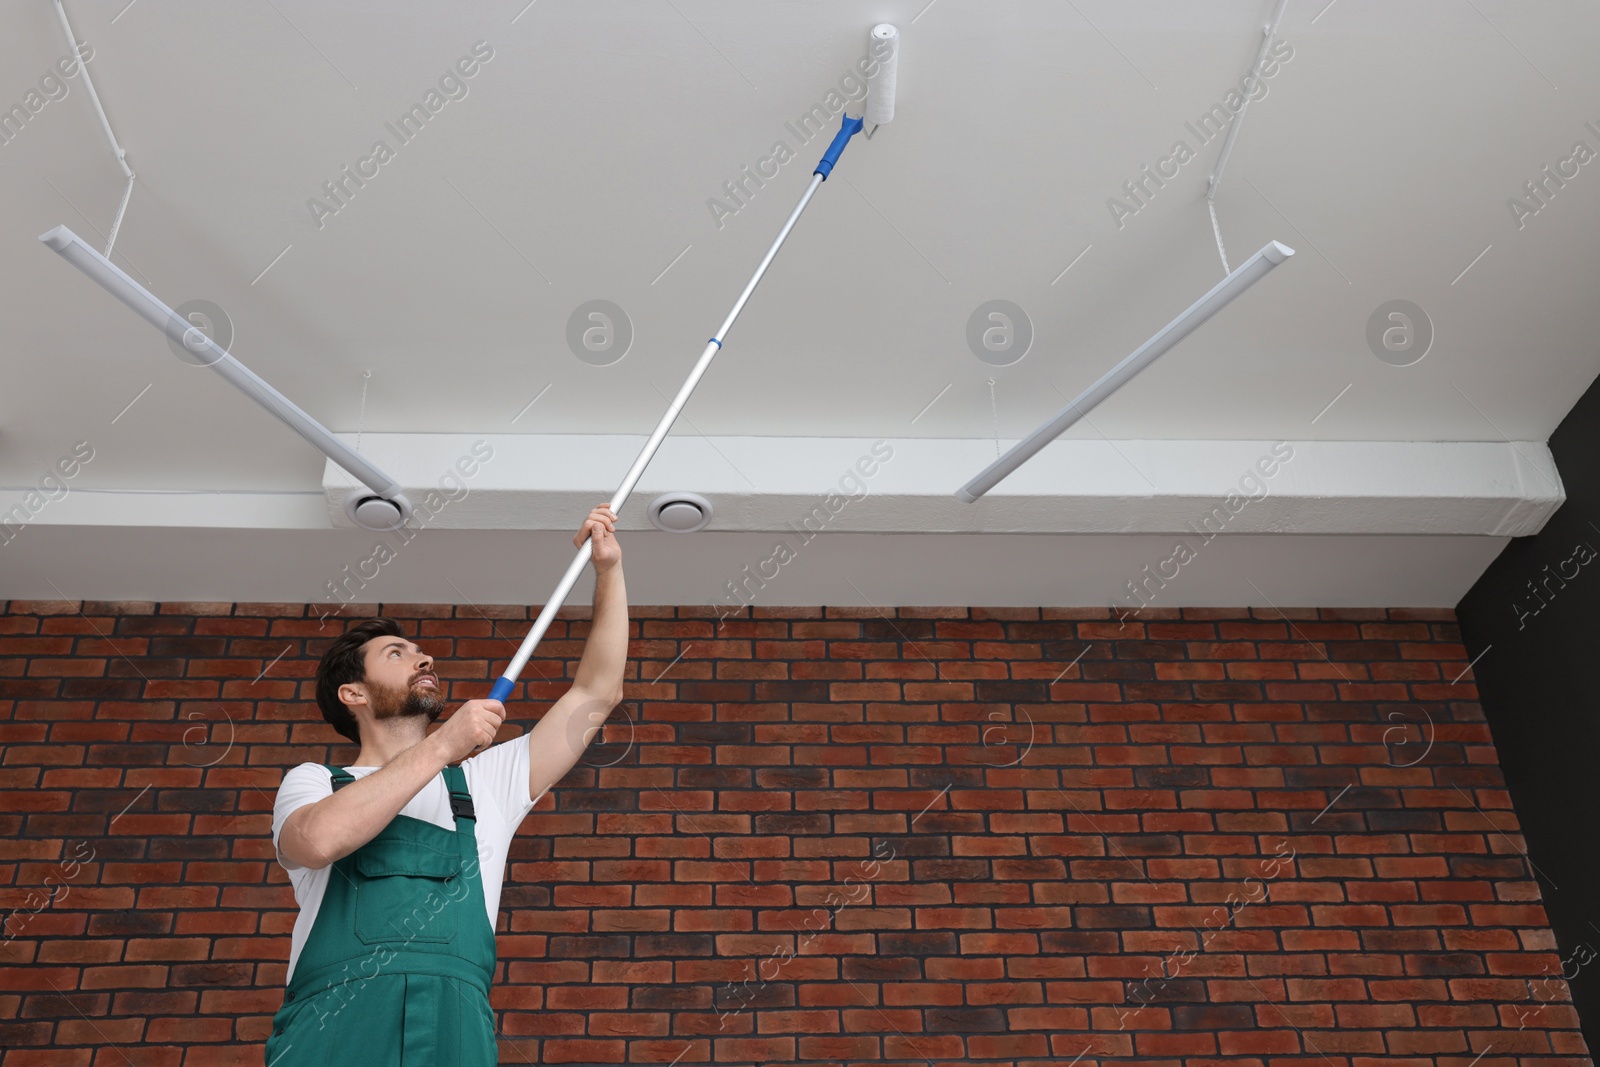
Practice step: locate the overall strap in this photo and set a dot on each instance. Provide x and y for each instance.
(460, 800)
(455, 779)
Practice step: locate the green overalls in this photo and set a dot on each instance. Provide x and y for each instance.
(396, 969)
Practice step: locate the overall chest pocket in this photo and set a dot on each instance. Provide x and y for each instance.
(407, 883)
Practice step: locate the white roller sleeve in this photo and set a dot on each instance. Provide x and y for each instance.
(880, 86)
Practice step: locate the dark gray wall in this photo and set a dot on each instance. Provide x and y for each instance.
(1536, 611)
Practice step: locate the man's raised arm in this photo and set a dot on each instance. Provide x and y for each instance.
(557, 740)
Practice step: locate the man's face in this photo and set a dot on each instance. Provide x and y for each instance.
(400, 680)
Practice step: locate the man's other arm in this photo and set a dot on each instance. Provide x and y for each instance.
(316, 835)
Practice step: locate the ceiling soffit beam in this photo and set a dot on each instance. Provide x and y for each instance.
(905, 485)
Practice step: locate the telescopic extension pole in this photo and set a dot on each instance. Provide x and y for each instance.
(507, 681)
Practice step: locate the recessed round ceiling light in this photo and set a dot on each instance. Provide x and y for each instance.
(372, 512)
(680, 512)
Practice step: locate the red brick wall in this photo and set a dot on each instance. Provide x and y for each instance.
(819, 835)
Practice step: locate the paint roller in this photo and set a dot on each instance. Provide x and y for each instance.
(884, 44)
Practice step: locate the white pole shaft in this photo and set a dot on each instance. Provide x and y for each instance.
(114, 280)
(1247, 274)
(503, 687)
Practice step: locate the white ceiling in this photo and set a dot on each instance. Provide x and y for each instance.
(578, 167)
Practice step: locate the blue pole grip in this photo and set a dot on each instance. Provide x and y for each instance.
(847, 129)
(502, 689)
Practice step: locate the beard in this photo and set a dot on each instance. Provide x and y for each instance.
(417, 702)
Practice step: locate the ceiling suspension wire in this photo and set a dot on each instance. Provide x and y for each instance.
(1217, 229)
(105, 124)
(361, 420)
(1268, 33)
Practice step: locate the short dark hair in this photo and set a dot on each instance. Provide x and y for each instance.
(343, 662)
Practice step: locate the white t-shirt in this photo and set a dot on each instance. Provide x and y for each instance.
(497, 778)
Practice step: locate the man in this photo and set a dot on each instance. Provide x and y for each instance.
(397, 859)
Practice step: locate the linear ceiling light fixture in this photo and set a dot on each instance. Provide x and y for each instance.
(1221, 295)
(385, 511)
(388, 509)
